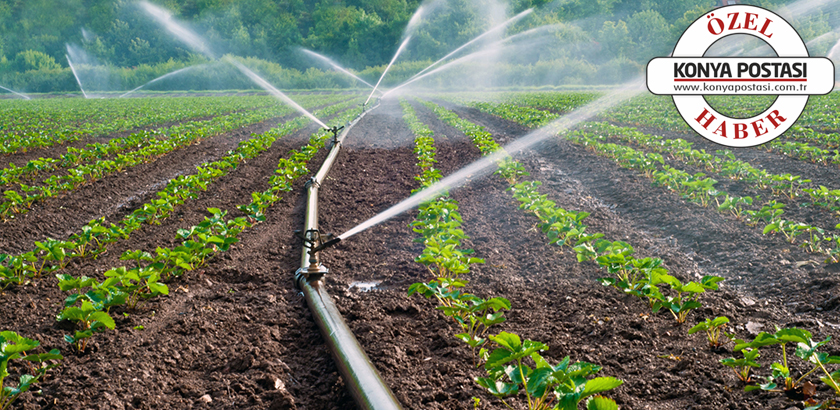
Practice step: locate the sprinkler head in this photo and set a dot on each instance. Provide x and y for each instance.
(335, 131)
(314, 241)
(331, 242)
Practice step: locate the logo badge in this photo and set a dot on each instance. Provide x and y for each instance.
(792, 76)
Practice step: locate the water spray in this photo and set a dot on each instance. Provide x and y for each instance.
(397, 54)
(273, 91)
(493, 48)
(334, 65)
(181, 70)
(448, 65)
(76, 75)
(178, 29)
(485, 165)
(480, 36)
(15, 92)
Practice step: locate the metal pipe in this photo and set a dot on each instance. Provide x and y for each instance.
(360, 376)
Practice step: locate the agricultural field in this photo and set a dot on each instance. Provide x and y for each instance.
(148, 259)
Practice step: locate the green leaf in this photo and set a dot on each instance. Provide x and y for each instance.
(507, 340)
(763, 339)
(601, 403)
(698, 327)
(104, 318)
(497, 388)
(498, 357)
(600, 385)
(793, 335)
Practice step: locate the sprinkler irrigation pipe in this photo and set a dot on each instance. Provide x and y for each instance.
(360, 376)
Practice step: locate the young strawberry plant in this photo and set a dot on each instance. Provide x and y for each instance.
(807, 349)
(510, 376)
(14, 347)
(742, 367)
(17, 269)
(713, 329)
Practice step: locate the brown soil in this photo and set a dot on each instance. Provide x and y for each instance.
(238, 335)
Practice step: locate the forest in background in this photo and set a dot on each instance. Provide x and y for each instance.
(123, 48)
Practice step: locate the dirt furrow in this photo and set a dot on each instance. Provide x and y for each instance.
(116, 195)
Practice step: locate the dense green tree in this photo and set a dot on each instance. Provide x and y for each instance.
(651, 33)
(34, 60)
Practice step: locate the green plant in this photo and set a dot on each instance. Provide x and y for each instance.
(13, 347)
(713, 328)
(770, 212)
(475, 316)
(138, 284)
(686, 295)
(742, 366)
(569, 383)
(807, 349)
(735, 205)
(52, 250)
(511, 170)
(89, 319)
(16, 269)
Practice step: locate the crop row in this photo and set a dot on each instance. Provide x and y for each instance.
(556, 102)
(90, 302)
(94, 238)
(530, 117)
(702, 189)
(807, 348)
(130, 286)
(815, 125)
(28, 127)
(820, 113)
(638, 277)
(182, 136)
(98, 116)
(93, 151)
(723, 162)
(438, 223)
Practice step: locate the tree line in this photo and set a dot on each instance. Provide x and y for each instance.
(118, 37)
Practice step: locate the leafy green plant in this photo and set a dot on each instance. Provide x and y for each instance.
(511, 170)
(686, 295)
(89, 320)
(735, 205)
(770, 212)
(713, 329)
(14, 347)
(788, 184)
(568, 383)
(52, 250)
(807, 349)
(16, 269)
(742, 366)
(138, 284)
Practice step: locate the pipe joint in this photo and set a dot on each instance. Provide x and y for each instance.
(310, 182)
(311, 273)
